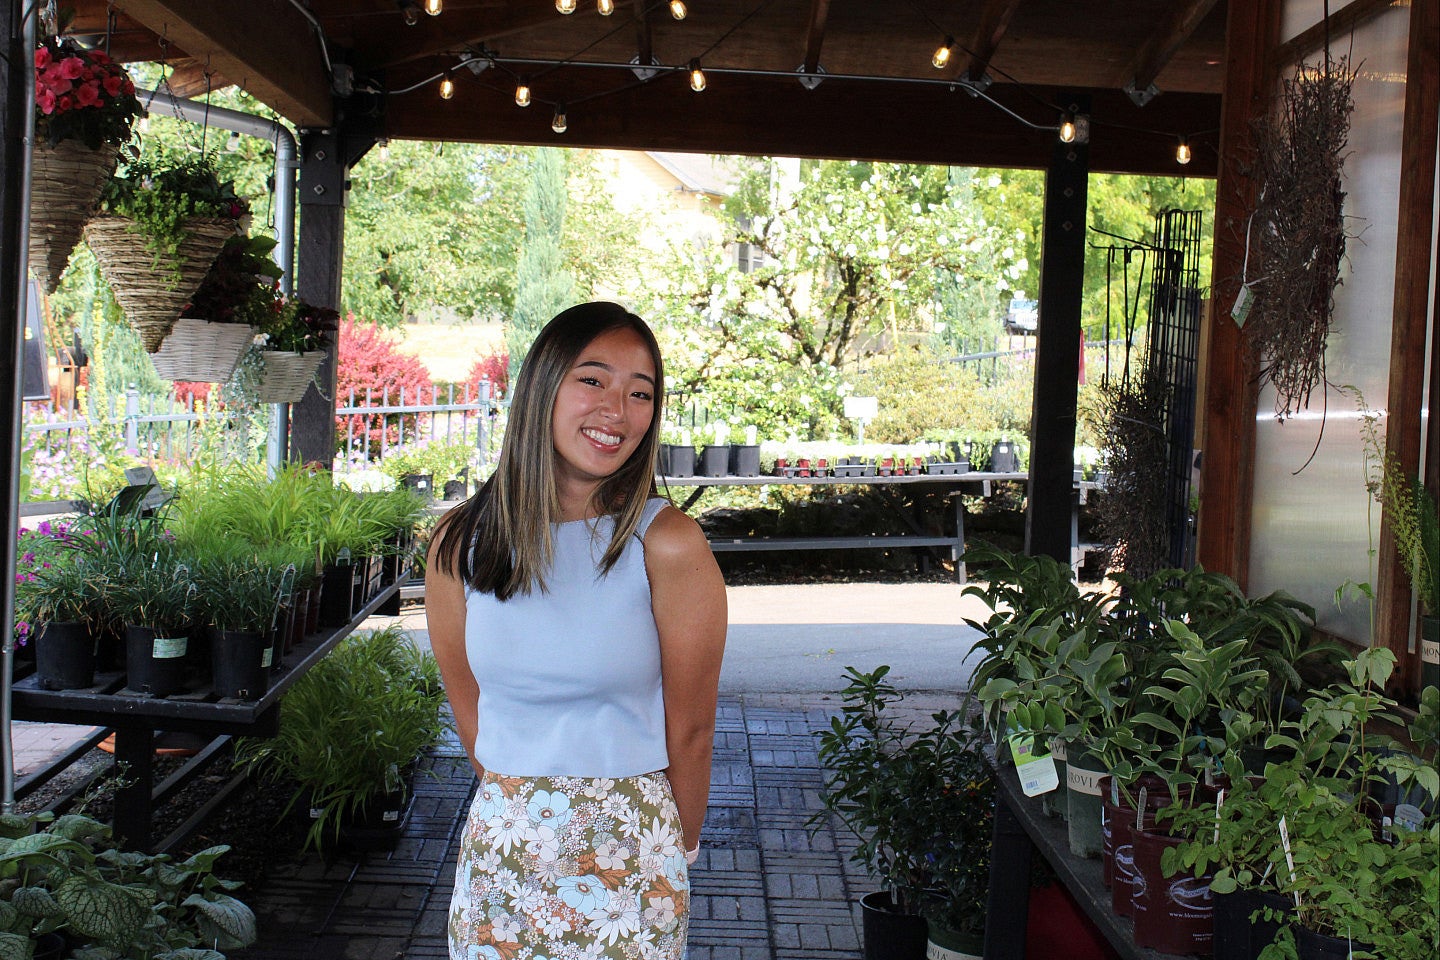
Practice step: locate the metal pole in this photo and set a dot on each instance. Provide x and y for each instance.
(17, 123)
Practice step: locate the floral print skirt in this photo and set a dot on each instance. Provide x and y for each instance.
(571, 868)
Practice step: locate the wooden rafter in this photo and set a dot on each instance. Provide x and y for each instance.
(990, 25)
(382, 42)
(1161, 46)
(267, 46)
(188, 80)
(815, 34)
(1341, 23)
(644, 45)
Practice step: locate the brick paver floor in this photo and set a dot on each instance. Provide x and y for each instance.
(766, 887)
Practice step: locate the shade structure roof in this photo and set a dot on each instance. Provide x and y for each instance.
(831, 78)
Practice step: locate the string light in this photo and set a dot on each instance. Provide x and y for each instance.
(384, 147)
(942, 54)
(1182, 152)
(697, 76)
(558, 123)
(677, 9)
(233, 144)
(566, 7)
(522, 94)
(1067, 129)
(447, 87)
(412, 15)
(605, 7)
(433, 7)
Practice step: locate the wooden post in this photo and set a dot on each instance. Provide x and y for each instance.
(1227, 465)
(323, 185)
(1413, 257)
(1057, 353)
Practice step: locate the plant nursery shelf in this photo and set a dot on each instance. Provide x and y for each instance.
(137, 717)
(1021, 830)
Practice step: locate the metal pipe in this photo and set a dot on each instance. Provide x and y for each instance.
(19, 262)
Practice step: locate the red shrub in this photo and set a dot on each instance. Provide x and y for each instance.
(187, 390)
(494, 368)
(369, 360)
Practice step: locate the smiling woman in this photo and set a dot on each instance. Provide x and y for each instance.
(579, 622)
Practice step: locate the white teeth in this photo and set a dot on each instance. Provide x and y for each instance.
(610, 440)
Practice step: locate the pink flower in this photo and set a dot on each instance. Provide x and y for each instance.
(112, 85)
(129, 86)
(99, 56)
(64, 103)
(88, 93)
(71, 68)
(42, 58)
(45, 100)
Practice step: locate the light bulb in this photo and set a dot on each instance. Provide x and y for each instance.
(1182, 152)
(433, 7)
(677, 9)
(565, 6)
(412, 15)
(942, 53)
(605, 7)
(1067, 129)
(384, 147)
(697, 76)
(447, 88)
(232, 145)
(522, 94)
(558, 123)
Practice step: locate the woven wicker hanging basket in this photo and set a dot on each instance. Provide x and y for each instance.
(202, 351)
(152, 298)
(66, 180)
(288, 375)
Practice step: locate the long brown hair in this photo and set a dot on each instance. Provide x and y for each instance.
(499, 540)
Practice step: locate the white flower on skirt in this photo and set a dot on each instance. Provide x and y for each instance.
(549, 923)
(630, 821)
(528, 900)
(599, 788)
(508, 882)
(652, 790)
(658, 840)
(661, 912)
(506, 832)
(487, 862)
(505, 929)
(651, 867)
(618, 918)
(611, 855)
(615, 805)
(545, 849)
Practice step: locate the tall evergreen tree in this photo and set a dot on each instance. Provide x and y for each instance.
(543, 287)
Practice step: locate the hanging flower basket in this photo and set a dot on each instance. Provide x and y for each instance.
(202, 351)
(288, 374)
(150, 294)
(66, 180)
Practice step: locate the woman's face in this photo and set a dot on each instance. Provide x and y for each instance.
(603, 408)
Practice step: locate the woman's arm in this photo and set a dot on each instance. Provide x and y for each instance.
(687, 596)
(445, 618)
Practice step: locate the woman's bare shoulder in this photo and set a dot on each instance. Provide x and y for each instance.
(673, 535)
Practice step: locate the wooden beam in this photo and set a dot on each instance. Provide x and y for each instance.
(644, 43)
(763, 116)
(266, 46)
(188, 80)
(815, 34)
(1161, 46)
(381, 43)
(993, 21)
(1413, 257)
(1227, 466)
(1340, 24)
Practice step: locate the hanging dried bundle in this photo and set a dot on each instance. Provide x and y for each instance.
(1299, 230)
(1132, 511)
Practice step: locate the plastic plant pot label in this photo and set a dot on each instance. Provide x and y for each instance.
(1034, 765)
(168, 648)
(1083, 781)
(1057, 749)
(1430, 651)
(265, 657)
(1244, 300)
(390, 816)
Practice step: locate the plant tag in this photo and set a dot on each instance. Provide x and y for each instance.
(1140, 808)
(1034, 765)
(1219, 802)
(168, 648)
(265, 657)
(390, 816)
(1289, 859)
(1244, 300)
(1408, 817)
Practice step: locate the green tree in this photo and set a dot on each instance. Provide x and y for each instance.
(543, 286)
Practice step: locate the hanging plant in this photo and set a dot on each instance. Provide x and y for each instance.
(1299, 230)
(1132, 511)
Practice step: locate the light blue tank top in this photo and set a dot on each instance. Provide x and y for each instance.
(570, 677)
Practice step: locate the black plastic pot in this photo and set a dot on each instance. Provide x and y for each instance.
(1004, 458)
(421, 483)
(943, 943)
(456, 489)
(154, 664)
(890, 935)
(1317, 946)
(1237, 937)
(714, 461)
(239, 663)
(380, 825)
(64, 656)
(745, 460)
(337, 585)
(677, 460)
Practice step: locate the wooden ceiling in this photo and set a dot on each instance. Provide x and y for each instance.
(878, 95)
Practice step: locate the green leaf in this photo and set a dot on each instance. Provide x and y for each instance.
(15, 947)
(104, 911)
(36, 902)
(224, 920)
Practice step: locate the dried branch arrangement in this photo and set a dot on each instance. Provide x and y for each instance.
(1299, 230)
(1132, 511)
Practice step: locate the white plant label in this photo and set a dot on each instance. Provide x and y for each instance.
(168, 648)
(1430, 651)
(1289, 859)
(1140, 808)
(1219, 802)
(1034, 765)
(1086, 782)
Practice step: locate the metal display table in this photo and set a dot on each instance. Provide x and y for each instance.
(136, 718)
(1021, 830)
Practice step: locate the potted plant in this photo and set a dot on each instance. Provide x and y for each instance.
(677, 453)
(65, 603)
(158, 603)
(296, 338)
(715, 458)
(64, 878)
(350, 731)
(85, 106)
(235, 300)
(241, 595)
(426, 464)
(744, 452)
(158, 232)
